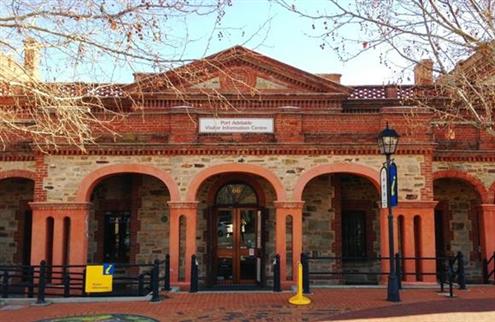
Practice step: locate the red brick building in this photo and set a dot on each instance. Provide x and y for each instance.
(239, 157)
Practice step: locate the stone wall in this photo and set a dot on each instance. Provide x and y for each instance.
(14, 197)
(66, 172)
(459, 204)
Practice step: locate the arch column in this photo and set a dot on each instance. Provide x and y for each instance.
(488, 229)
(189, 211)
(78, 241)
(282, 210)
(426, 211)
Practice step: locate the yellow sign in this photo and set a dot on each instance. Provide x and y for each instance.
(99, 278)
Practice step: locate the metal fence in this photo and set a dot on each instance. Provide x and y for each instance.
(46, 280)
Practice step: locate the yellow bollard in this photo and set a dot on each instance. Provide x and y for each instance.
(299, 298)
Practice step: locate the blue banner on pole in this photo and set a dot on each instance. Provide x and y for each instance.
(393, 184)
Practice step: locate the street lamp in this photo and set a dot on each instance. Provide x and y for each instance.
(388, 140)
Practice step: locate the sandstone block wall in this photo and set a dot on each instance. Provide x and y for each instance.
(14, 197)
(459, 204)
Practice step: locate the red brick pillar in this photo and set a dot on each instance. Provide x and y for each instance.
(282, 210)
(78, 234)
(426, 212)
(487, 230)
(189, 211)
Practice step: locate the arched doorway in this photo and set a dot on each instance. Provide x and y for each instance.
(236, 235)
(341, 222)
(129, 220)
(235, 231)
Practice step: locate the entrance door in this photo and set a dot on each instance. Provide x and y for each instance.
(238, 246)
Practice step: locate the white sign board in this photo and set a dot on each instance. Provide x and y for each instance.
(235, 125)
(383, 183)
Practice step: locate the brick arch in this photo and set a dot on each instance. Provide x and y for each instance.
(25, 174)
(472, 180)
(91, 180)
(235, 168)
(356, 169)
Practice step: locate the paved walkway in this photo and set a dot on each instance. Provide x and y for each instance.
(422, 305)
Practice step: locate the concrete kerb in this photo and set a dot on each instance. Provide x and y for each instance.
(62, 300)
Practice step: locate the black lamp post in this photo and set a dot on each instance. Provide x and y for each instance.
(388, 140)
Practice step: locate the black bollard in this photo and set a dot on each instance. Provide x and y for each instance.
(276, 274)
(42, 283)
(305, 267)
(66, 281)
(30, 281)
(155, 296)
(141, 285)
(450, 275)
(484, 266)
(398, 269)
(5, 284)
(194, 275)
(166, 283)
(461, 277)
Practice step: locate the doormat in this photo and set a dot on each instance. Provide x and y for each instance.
(103, 318)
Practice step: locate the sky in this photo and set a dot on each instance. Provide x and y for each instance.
(290, 39)
(260, 25)
(267, 28)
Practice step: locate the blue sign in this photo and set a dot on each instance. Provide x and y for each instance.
(392, 181)
(108, 269)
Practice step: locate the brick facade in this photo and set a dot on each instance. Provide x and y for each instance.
(320, 162)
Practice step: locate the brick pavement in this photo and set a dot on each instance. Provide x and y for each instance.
(475, 304)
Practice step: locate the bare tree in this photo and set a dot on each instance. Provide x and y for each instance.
(85, 39)
(457, 36)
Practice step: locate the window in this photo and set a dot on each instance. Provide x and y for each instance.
(354, 234)
(236, 194)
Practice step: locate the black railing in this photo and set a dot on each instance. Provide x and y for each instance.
(448, 269)
(489, 269)
(44, 280)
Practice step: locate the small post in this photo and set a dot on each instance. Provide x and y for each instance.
(305, 276)
(42, 283)
(441, 277)
(461, 277)
(141, 285)
(194, 275)
(166, 283)
(484, 266)
(398, 269)
(155, 296)
(83, 288)
(276, 274)
(66, 281)
(450, 274)
(5, 284)
(30, 281)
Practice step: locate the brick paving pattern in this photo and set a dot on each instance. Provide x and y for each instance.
(475, 304)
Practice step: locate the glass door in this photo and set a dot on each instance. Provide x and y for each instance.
(238, 246)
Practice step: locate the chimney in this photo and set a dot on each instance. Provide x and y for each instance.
(423, 72)
(333, 77)
(31, 57)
